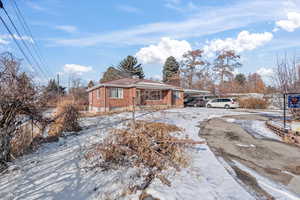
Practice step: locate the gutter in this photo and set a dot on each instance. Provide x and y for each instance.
(136, 86)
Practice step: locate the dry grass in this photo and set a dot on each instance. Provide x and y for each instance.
(149, 144)
(22, 140)
(66, 118)
(253, 103)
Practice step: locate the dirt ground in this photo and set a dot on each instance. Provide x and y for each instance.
(275, 160)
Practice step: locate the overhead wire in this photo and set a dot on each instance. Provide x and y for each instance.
(16, 41)
(28, 31)
(24, 43)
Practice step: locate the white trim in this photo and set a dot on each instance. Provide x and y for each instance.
(120, 93)
(139, 85)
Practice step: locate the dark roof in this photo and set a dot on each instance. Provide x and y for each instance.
(139, 83)
(130, 81)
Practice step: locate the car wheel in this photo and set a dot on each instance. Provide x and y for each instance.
(227, 107)
(208, 106)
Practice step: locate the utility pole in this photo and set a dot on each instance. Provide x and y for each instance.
(58, 88)
(57, 83)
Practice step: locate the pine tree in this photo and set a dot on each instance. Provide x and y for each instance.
(130, 65)
(240, 79)
(171, 68)
(113, 74)
(91, 84)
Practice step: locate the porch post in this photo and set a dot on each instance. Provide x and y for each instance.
(169, 98)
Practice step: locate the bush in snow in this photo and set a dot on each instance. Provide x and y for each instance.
(253, 103)
(66, 118)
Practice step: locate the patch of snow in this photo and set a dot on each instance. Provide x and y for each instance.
(246, 146)
(278, 191)
(260, 128)
(230, 120)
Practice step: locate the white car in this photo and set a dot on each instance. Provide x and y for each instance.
(222, 103)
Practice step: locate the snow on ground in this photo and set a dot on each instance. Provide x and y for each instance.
(278, 191)
(260, 128)
(257, 128)
(55, 171)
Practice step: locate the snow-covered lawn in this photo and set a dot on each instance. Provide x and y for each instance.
(56, 170)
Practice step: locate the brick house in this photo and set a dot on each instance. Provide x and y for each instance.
(123, 94)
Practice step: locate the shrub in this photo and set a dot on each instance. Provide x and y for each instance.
(66, 118)
(295, 113)
(253, 103)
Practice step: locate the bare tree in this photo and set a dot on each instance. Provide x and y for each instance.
(287, 78)
(18, 102)
(287, 75)
(225, 64)
(78, 93)
(193, 63)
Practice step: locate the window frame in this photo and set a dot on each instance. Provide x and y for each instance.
(120, 93)
(148, 95)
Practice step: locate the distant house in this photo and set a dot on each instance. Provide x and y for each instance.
(125, 93)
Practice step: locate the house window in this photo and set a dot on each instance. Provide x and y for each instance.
(176, 94)
(116, 93)
(153, 95)
(98, 94)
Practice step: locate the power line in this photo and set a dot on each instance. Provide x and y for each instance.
(15, 40)
(26, 46)
(26, 28)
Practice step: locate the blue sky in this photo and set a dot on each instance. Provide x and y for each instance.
(85, 37)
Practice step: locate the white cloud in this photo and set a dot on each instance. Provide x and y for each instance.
(77, 69)
(128, 9)
(157, 77)
(180, 6)
(291, 23)
(201, 22)
(67, 28)
(265, 72)
(4, 38)
(160, 52)
(35, 6)
(3, 41)
(244, 41)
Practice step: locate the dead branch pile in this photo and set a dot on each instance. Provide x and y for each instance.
(150, 145)
(66, 119)
(147, 145)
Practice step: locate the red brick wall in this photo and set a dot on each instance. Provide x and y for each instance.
(127, 100)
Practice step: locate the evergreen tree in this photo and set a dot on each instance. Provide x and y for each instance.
(171, 68)
(53, 88)
(91, 84)
(130, 65)
(240, 79)
(113, 74)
